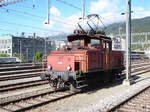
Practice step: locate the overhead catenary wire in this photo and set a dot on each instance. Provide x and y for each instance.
(29, 26)
(7, 29)
(30, 7)
(21, 15)
(56, 19)
(29, 14)
(11, 30)
(69, 4)
(17, 31)
(53, 19)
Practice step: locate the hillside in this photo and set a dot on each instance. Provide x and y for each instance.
(138, 25)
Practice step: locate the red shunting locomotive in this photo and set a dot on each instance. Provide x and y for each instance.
(81, 65)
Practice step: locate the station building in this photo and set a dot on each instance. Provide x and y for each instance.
(26, 46)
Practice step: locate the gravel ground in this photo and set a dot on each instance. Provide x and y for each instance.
(14, 75)
(23, 90)
(98, 100)
(24, 93)
(3, 83)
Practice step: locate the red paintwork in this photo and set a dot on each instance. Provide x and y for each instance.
(59, 60)
(95, 59)
(90, 59)
(117, 58)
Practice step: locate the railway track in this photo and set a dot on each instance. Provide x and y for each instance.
(34, 101)
(140, 68)
(36, 72)
(137, 103)
(19, 64)
(140, 64)
(12, 72)
(28, 102)
(12, 87)
(139, 61)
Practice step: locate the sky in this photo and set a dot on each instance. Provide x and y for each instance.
(30, 16)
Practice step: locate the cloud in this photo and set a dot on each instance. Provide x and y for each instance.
(109, 10)
(55, 11)
(111, 17)
(103, 6)
(71, 23)
(139, 12)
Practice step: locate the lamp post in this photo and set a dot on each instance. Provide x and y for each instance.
(128, 39)
(128, 80)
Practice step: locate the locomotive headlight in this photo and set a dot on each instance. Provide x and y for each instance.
(68, 68)
(49, 67)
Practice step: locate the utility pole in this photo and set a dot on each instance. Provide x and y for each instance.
(128, 80)
(120, 37)
(83, 8)
(27, 52)
(48, 9)
(20, 43)
(34, 40)
(45, 48)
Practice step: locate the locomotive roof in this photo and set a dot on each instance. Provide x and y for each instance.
(85, 36)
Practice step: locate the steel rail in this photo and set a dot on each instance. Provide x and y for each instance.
(122, 103)
(41, 102)
(24, 85)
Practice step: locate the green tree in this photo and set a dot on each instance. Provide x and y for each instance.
(23, 59)
(38, 57)
(4, 55)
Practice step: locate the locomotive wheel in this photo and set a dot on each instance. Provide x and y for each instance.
(73, 87)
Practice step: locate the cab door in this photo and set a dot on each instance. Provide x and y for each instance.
(107, 55)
